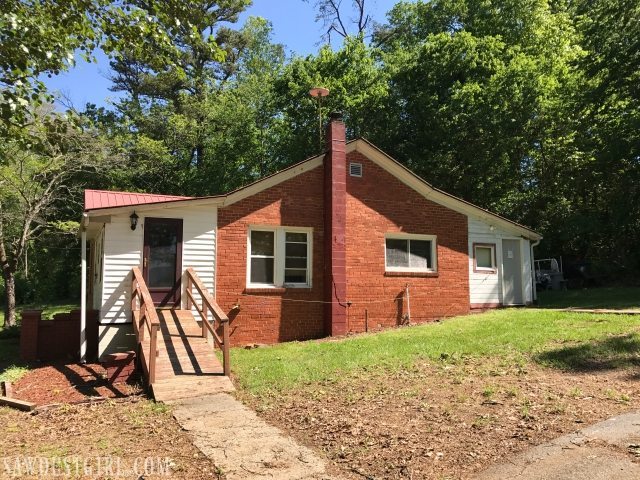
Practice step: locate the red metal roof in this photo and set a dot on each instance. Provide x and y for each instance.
(106, 199)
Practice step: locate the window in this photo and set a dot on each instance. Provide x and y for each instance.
(279, 257)
(484, 257)
(410, 253)
(262, 257)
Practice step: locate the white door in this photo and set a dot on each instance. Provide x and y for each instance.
(511, 272)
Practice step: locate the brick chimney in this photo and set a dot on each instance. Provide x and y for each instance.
(335, 213)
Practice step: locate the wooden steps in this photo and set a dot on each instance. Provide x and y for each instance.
(186, 365)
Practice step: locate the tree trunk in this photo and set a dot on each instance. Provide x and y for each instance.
(9, 299)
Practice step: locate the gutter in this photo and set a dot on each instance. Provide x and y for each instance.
(534, 293)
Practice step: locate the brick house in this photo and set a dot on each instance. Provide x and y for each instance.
(347, 241)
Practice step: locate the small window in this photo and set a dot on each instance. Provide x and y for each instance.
(484, 257)
(415, 253)
(355, 169)
(279, 256)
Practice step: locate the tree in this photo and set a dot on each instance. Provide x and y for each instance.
(483, 100)
(36, 181)
(206, 131)
(40, 37)
(358, 88)
(331, 14)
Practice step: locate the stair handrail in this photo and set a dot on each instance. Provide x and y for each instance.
(144, 317)
(209, 304)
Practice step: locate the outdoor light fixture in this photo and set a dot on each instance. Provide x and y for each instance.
(134, 220)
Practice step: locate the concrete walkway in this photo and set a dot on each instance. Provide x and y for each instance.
(242, 445)
(604, 451)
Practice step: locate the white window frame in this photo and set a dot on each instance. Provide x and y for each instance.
(279, 256)
(490, 246)
(409, 236)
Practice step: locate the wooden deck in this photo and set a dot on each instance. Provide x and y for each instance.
(186, 365)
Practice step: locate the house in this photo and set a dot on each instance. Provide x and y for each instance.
(346, 241)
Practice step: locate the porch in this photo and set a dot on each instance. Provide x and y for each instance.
(176, 352)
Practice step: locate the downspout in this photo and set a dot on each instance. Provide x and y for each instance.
(534, 293)
(83, 289)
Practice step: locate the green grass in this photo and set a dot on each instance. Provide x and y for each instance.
(13, 373)
(48, 310)
(560, 339)
(603, 297)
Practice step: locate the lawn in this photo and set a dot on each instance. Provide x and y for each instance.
(603, 297)
(447, 399)
(511, 332)
(48, 309)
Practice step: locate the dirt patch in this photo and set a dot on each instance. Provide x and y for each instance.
(125, 433)
(68, 383)
(445, 419)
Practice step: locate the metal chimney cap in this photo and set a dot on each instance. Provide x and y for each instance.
(319, 92)
(336, 116)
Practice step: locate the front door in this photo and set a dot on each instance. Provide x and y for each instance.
(511, 272)
(162, 259)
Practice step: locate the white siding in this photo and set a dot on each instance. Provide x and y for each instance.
(487, 287)
(123, 251)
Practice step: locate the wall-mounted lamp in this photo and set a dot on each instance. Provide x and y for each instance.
(134, 220)
(492, 228)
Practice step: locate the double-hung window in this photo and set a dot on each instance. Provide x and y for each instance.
(279, 257)
(410, 253)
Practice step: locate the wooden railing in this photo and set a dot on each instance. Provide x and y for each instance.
(145, 318)
(221, 321)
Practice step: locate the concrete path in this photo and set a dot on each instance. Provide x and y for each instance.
(606, 451)
(242, 445)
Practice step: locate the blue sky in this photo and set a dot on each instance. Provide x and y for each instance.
(293, 23)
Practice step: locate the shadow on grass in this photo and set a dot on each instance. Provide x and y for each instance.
(603, 297)
(612, 353)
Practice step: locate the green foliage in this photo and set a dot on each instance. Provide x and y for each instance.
(13, 373)
(358, 87)
(529, 108)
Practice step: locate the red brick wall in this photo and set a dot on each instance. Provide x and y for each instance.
(57, 339)
(377, 204)
(266, 316)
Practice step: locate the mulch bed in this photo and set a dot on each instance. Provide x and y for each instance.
(444, 419)
(114, 438)
(70, 383)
